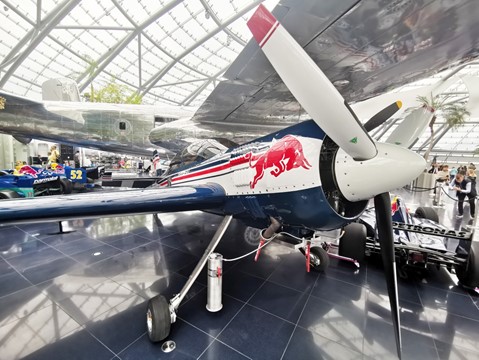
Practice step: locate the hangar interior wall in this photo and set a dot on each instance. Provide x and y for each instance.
(12, 151)
(6, 153)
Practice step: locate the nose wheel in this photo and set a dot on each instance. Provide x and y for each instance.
(158, 318)
(318, 258)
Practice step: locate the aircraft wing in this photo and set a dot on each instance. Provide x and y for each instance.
(364, 47)
(93, 205)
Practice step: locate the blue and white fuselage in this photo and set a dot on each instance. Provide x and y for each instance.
(297, 175)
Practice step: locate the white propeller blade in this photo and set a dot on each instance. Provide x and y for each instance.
(411, 127)
(310, 86)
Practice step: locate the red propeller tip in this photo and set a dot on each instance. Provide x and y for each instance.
(262, 24)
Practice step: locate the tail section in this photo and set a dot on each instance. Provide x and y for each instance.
(62, 89)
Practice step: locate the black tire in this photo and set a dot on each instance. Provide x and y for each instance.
(318, 258)
(468, 274)
(8, 194)
(158, 318)
(427, 213)
(353, 242)
(66, 186)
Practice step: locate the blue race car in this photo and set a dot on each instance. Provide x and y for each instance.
(13, 186)
(33, 181)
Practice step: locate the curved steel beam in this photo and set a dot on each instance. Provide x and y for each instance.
(13, 54)
(157, 77)
(123, 43)
(53, 18)
(146, 36)
(211, 13)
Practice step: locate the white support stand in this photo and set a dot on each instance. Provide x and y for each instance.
(177, 299)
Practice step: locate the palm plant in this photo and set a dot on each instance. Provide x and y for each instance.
(454, 114)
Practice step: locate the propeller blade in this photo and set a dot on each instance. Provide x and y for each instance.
(310, 86)
(382, 116)
(382, 204)
(411, 128)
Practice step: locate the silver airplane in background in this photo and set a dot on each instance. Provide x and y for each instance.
(62, 117)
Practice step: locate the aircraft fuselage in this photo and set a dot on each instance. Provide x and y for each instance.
(109, 127)
(280, 176)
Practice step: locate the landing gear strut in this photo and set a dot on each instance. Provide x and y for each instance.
(161, 314)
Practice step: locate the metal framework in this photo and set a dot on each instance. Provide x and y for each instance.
(168, 51)
(124, 41)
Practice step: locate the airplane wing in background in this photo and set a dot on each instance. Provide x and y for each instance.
(102, 204)
(365, 48)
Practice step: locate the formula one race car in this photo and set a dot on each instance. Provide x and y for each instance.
(31, 181)
(420, 241)
(13, 186)
(47, 182)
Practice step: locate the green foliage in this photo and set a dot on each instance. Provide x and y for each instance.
(92, 65)
(116, 94)
(112, 92)
(454, 114)
(433, 102)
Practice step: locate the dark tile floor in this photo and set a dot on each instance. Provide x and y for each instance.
(83, 295)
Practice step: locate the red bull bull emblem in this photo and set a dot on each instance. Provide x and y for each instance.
(28, 170)
(284, 155)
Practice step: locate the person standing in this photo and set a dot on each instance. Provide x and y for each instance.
(443, 174)
(471, 176)
(452, 173)
(463, 188)
(54, 155)
(76, 158)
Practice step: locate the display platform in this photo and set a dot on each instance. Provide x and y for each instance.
(84, 295)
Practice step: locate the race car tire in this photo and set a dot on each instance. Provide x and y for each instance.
(158, 318)
(8, 194)
(468, 274)
(427, 213)
(353, 242)
(66, 186)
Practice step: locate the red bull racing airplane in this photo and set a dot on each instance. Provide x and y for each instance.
(318, 175)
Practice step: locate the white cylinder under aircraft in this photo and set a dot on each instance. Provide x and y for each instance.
(215, 282)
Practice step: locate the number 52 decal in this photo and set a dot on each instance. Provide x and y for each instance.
(76, 174)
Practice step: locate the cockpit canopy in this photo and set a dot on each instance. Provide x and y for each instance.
(198, 151)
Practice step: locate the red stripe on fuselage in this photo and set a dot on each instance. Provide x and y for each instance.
(209, 171)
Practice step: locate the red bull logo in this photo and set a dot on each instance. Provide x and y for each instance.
(284, 155)
(28, 170)
(57, 168)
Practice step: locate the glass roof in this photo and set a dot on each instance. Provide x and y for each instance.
(456, 145)
(170, 51)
